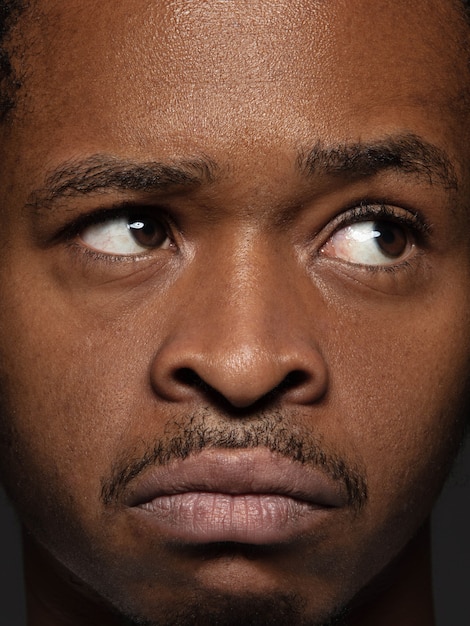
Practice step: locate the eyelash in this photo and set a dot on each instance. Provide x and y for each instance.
(99, 216)
(371, 211)
(361, 211)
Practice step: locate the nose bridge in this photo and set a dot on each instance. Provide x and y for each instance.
(249, 293)
(242, 330)
(253, 305)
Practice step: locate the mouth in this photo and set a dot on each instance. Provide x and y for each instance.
(244, 496)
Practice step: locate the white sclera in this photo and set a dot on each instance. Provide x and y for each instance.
(359, 243)
(118, 236)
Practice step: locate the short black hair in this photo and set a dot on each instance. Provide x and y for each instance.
(10, 10)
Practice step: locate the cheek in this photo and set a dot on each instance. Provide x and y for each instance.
(403, 388)
(68, 393)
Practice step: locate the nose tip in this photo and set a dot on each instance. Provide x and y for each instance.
(242, 378)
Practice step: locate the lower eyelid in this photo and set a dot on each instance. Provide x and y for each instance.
(86, 257)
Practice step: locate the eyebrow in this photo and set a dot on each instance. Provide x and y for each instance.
(407, 153)
(100, 173)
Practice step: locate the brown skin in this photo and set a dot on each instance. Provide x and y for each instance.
(250, 289)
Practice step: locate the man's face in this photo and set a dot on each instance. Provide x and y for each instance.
(235, 294)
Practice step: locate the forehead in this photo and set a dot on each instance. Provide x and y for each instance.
(183, 76)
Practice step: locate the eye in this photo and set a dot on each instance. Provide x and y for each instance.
(126, 235)
(380, 242)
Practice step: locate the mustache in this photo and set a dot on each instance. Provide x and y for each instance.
(203, 431)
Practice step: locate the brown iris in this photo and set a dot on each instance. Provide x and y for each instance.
(390, 238)
(148, 232)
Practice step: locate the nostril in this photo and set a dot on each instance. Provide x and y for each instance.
(252, 379)
(189, 378)
(296, 382)
(292, 380)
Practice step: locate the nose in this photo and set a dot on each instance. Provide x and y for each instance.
(245, 337)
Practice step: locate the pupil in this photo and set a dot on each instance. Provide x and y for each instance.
(391, 239)
(147, 232)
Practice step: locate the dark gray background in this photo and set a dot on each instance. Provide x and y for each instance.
(451, 526)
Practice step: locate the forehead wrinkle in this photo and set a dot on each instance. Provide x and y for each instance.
(407, 153)
(101, 173)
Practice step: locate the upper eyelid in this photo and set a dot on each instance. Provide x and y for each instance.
(362, 210)
(105, 214)
(370, 211)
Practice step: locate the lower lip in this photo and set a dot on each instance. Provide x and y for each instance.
(206, 517)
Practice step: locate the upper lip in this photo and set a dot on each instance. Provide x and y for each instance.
(237, 472)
